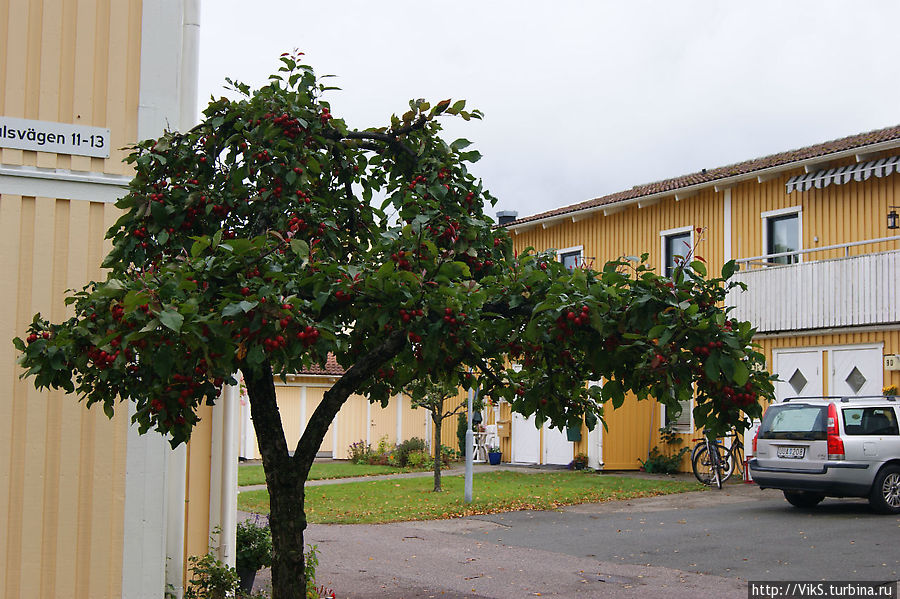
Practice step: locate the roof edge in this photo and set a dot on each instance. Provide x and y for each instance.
(526, 223)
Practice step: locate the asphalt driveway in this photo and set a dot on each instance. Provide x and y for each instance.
(691, 545)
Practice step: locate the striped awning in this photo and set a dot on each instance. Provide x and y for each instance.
(844, 174)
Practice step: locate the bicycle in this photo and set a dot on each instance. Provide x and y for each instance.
(714, 463)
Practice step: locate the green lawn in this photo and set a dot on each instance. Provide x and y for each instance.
(369, 502)
(254, 475)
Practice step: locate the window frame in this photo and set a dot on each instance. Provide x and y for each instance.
(579, 249)
(663, 238)
(779, 214)
(682, 428)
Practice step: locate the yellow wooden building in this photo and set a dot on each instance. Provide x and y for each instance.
(88, 508)
(809, 229)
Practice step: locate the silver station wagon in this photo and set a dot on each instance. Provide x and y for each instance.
(812, 448)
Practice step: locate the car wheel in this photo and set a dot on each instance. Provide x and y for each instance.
(802, 499)
(885, 495)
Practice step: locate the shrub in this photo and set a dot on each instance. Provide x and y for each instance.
(407, 447)
(360, 452)
(449, 455)
(660, 463)
(211, 579)
(462, 425)
(254, 545)
(419, 459)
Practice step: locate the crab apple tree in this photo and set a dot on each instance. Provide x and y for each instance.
(252, 244)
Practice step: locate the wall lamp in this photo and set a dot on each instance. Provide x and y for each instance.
(893, 220)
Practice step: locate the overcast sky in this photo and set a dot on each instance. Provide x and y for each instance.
(582, 99)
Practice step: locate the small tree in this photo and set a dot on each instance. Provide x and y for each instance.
(433, 396)
(250, 243)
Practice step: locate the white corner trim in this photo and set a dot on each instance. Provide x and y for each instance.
(726, 214)
(147, 462)
(62, 184)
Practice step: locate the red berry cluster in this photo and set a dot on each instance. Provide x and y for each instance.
(567, 322)
(407, 315)
(416, 181)
(34, 337)
(289, 125)
(308, 335)
(102, 359)
(400, 260)
(739, 397)
(325, 116)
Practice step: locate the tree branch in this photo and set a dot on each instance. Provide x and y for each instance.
(334, 398)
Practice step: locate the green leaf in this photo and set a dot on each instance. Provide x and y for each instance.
(657, 331)
(171, 319)
(741, 373)
(460, 144)
(238, 308)
(728, 269)
(711, 367)
(699, 268)
(300, 247)
(199, 246)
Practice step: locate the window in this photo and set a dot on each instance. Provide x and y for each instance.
(570, 257)
(684, 422)
(870, 421)
(781, 231)
(676, 247)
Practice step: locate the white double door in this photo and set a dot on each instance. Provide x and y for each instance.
(851, 370)
(526, 443)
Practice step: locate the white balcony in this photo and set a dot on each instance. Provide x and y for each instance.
(842, 292)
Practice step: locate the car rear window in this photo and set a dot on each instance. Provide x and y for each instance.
(870, 421)
(794, 421)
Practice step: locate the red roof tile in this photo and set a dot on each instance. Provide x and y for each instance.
(332, 368)
(710, 176)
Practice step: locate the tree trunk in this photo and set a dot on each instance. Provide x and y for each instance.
(284, 480)
(286, 475)
(438, 454)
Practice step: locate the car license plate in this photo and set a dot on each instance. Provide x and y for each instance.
(792, 453)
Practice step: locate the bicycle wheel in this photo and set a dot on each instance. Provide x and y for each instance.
(705, 465)
(736, 459)
(728, 459)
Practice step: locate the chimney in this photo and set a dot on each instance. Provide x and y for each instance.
(504, 217)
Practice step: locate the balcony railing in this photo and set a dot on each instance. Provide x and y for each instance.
(838, 292)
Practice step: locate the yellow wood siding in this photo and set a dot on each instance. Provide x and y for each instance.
(833, 215)
(414, 421)
(635, 231)
(72, 62)
(63, 478)
(836, 214)
(890, 338)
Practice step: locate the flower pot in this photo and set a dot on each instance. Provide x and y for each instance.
(573, 434)
(247, 577)
(494, 457)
